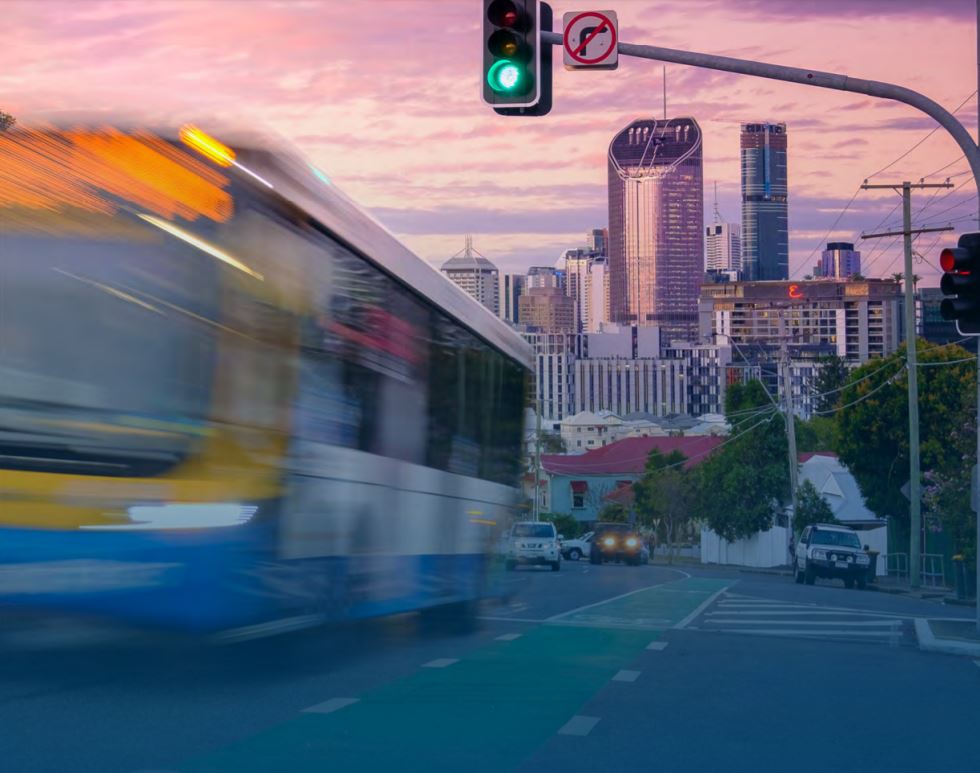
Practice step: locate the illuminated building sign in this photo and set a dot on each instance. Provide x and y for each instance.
(795, 292)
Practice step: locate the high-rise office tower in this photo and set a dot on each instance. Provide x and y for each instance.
(839, 261)
(656, 225)
(545, 276)
(474, 274)
(723, 247)
(511, 288)
(765, 223)
(598, 240)
(587, 284)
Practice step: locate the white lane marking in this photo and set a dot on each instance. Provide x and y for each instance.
(845, 610)
(626, 676)
(791, 613)
(976, 663)
(847, 623)
(560, 615)
(440, 663)
(330, 706)
(578, 725)
(508, 637)
(657, 645)
(504, 619)
(272, 628)
(701, 607)
(802, 633)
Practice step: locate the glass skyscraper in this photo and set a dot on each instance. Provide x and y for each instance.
(765, 224)
(656, 225)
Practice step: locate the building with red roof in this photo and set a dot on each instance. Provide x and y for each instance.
(579, 484)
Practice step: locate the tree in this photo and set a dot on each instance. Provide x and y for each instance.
(819, 433)
(6, 121)
(811, 508)
(873, 430)
(552, 444)
(741, 487)
(831, 376)
(665, 495)
(565, 524)
(614, 513)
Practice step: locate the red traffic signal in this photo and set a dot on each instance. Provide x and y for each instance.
(961, 281)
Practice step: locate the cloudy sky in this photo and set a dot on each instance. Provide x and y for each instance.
(384, 96)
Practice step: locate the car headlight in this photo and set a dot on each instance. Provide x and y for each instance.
(609, 542)
(631, 542)
(820, 555)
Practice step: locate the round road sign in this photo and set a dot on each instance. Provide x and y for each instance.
(590, 39)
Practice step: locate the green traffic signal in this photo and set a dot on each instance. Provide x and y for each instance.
(505, 77)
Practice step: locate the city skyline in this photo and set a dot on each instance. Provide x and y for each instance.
(438, 172)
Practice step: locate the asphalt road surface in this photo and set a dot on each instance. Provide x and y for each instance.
(592, 668)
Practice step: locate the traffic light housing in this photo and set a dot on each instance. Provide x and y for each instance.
(961, 281)
(516, 66)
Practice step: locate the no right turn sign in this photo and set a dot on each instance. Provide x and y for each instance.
(590, 40)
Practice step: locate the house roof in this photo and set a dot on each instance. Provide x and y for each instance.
(629, 455)
(808, 455)
(837, 486)
(623, 495)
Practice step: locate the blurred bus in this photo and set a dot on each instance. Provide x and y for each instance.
(229, 398)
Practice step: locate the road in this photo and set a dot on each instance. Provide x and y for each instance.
(591, 668)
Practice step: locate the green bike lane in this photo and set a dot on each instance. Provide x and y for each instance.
(484, 712)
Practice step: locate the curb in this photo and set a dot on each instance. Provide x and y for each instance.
(929, 643)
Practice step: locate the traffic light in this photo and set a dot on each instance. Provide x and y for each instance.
(516, 66)
(961, 280)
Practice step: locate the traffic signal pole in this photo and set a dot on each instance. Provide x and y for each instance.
(840, 82)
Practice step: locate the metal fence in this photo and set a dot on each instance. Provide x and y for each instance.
(932, 569)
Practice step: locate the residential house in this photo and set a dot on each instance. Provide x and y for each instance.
(577, 484)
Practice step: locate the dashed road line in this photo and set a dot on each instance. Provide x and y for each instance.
(578, 725)
(657, 645)
(626, 676)
(440, 663)
(330, 706)
(507, 637)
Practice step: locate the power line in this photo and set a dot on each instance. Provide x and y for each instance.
(864, 397)
(946, 362)
(858, 381)
(590, 465)
(937, 128)
(830, 230)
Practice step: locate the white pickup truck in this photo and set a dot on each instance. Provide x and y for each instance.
(574, 549)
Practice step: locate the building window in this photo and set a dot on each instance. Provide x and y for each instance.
(579, 487)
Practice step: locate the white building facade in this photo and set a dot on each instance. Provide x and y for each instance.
(475, 275)
(723, 247)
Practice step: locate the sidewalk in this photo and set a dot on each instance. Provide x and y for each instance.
(954, 637)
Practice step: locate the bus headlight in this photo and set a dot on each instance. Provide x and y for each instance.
(631, 542)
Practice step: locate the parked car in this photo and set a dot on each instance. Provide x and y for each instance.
(617, 542)
(574, 549)
(825, 550)
(533, 543)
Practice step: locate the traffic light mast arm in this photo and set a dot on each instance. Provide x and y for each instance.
(823, 80)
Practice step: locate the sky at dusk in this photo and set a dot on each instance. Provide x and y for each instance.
(385, 97)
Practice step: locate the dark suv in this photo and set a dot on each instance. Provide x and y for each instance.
(616, 542)
(825, 550)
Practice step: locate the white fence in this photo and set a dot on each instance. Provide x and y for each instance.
(763, 549)
(768, 548)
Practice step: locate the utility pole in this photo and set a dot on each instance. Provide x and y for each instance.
(537, 456)
(915, 496)
(787, 385)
